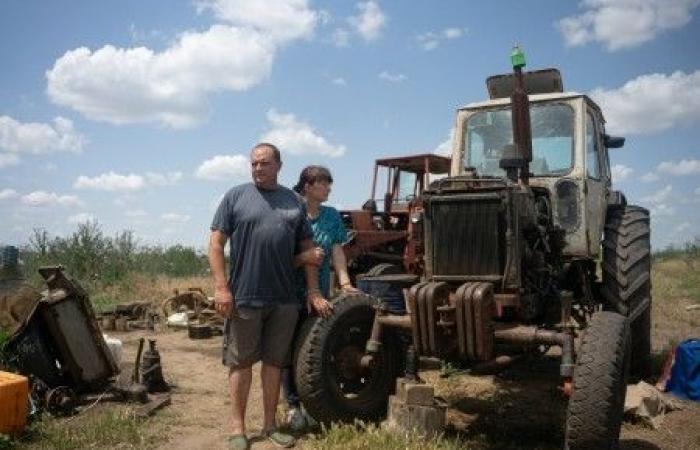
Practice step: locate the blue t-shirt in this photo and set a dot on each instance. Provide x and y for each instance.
(265, 229)
(328, 230)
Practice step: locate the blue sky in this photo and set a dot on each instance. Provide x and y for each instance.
(141, 114)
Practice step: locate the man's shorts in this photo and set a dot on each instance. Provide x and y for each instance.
(255, 334)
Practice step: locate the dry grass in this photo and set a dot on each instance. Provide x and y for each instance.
(675, 285)
(152, 289)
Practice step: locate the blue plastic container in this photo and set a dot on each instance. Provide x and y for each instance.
(388, 288)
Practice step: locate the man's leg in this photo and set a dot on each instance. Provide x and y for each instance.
(270, 378)
(239, 388)
(241, 350)
(278, 328)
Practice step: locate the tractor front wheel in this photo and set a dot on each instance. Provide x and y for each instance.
(596, 406)
(333, 385)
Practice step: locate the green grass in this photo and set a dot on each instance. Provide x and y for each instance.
(104, 429)
(362, 436)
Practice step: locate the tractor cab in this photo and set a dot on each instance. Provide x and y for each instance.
(380, 230)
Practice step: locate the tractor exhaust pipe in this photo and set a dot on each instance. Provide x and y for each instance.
(516, 158)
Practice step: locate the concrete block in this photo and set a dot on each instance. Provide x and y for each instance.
(427, 421)
(413, 393)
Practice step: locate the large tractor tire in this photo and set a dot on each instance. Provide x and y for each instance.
(627, 278)
(596, 406)
(332, 385)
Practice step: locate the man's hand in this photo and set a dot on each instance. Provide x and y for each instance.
(317, 304)
(223, 301)
(314, 256)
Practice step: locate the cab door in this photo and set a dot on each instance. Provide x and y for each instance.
(595, 184)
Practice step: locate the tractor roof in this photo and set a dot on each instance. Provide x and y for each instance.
(533, 98)
(416, 163)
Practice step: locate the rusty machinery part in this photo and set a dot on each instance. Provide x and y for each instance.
(199, 331)
(192, 300)
(333, 383)
(60, 401)
(152, 370)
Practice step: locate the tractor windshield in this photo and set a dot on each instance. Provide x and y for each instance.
(488, 132)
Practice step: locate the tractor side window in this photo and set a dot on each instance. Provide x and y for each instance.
(592, 160)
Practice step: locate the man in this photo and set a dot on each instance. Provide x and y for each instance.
(267, 226)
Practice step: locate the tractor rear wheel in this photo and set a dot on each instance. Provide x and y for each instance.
(332, 384)
(596, 406)
(627, 277)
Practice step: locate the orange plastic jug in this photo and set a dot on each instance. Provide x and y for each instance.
(14, 396)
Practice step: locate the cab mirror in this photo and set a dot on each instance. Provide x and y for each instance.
(613, 141)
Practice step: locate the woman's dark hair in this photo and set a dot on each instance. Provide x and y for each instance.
(312, 174)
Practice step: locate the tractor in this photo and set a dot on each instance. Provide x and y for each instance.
(382, 240)
(527, 248)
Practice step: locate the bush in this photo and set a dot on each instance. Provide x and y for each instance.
(106, 266)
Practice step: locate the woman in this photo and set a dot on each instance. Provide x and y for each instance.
(314, 186)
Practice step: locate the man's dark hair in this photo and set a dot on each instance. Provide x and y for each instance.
(312, 174)
(275, 150)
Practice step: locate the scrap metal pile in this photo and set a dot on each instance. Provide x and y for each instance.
(53, 339)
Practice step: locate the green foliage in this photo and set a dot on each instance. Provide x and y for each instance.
(96, 259)
(4, 340)
(110, 429)
(363, 436)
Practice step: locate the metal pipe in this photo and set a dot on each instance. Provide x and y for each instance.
(521, 334)
(394, 321)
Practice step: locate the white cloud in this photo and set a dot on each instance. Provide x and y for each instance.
(81, 218)
(136, 85)
(8, 159)
(624, 24)
(651, 103)
(697, 191)
(340, 37)
(620, 172)
(339, 81)
(175, 218)
(431, 40)
(650, 177)
(163, 179)
(453, 33)
(8, 194)
(111, 181)
(43, 199)
(135, 213)
(370, 20)
(115, 182)
(297, 137)
(224, 167)
(682, 227)
(392, 77)
(659, 197)
(682, 167)
(282, 20)
(445, 147)
(661, 210)
(39, 138)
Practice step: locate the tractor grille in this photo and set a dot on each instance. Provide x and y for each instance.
(467, 236)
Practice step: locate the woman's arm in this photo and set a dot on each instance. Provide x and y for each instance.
(340, 264)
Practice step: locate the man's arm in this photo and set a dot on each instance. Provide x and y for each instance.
(314, 300)
(223, 299)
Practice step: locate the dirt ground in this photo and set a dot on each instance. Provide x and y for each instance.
(522, 402)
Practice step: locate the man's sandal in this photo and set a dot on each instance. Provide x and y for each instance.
(238, 442)
(278, 438)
